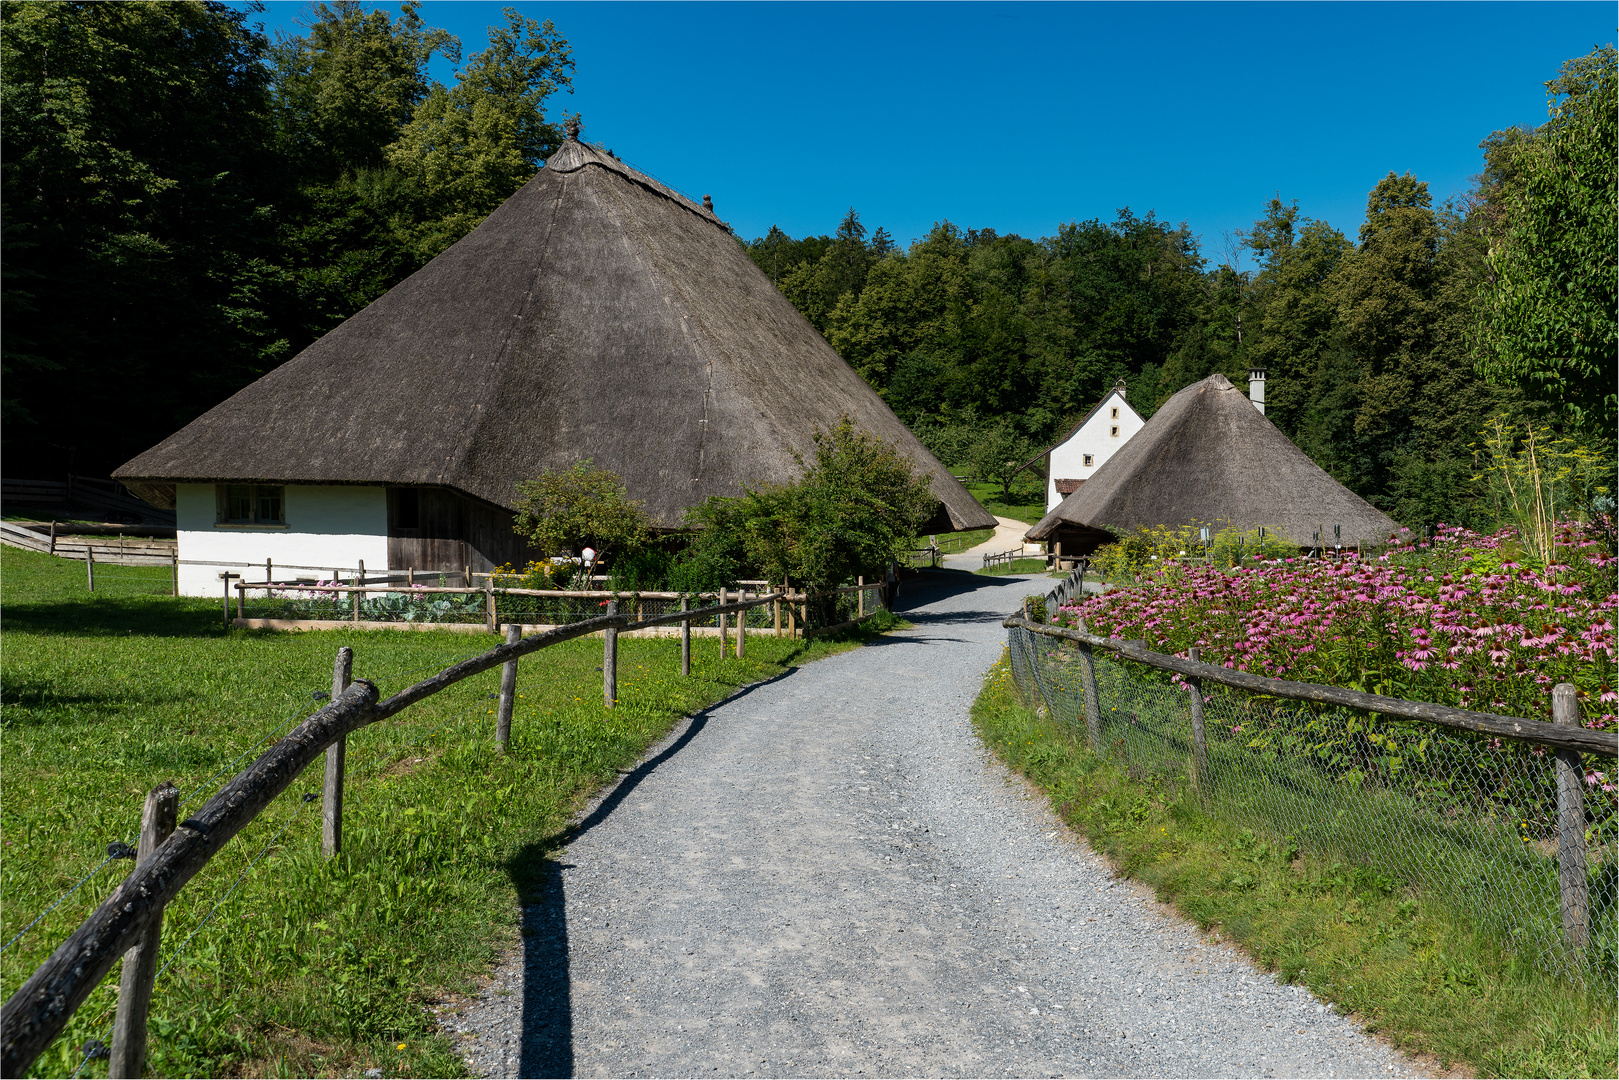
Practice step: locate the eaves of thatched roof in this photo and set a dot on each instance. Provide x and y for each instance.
(596, 314)
(1209, 457)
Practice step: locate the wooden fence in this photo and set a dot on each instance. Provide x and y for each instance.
(1007, 558)
(1565, 735)
(129, 922)
(82, 492)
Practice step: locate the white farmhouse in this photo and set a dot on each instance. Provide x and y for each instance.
(1088, 445)
(596, 314)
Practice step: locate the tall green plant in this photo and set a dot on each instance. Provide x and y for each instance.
(1534, 478)
(563, 511)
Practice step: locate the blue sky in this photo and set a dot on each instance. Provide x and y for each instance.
(1022, 116)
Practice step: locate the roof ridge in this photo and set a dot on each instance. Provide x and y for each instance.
(574, 155)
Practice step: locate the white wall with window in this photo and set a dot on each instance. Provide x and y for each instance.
(1094, 439)
(334, 526)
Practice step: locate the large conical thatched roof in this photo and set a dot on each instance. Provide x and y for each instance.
(1208, 456)
(595, 314)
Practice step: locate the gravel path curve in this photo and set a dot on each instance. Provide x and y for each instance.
(828, 875)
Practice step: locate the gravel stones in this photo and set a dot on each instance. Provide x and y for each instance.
(828, 875)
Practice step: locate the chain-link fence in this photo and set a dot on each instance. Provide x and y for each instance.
(1469, 819)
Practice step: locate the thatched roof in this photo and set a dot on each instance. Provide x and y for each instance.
(1208, 456)
(595, 314)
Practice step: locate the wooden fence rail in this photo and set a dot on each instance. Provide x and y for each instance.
(129, 919)
(1565, 735)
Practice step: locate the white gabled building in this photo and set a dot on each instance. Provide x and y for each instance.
(1088, 445)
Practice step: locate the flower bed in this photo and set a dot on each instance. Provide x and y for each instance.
(1457, 621)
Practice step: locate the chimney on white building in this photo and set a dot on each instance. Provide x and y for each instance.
(1119, 386)
(1256, 388)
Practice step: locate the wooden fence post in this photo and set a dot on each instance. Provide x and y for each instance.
(860, 597)
(140, 961)
(331, 805)
(721, 602)
(1571, 825)
(241, 600)
(53, 536)
(775, 615)
(792, 615)
(685, 638)
(741, 626)
(1200, 746)
(1093, 702)
(489, 606)
(177, 570)
(610, 659)
(508, 689)
(90, 569)
(269, 571)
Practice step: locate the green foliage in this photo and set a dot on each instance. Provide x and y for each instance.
(1416, 968)
(1000, 454)
(1535, 479)
(186, 205)
(858, 506)
(564, 511)
(1546, 321)
(1146, 550)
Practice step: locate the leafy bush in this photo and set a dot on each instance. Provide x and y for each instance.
(563, 512)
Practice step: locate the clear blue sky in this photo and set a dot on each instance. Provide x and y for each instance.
(1022, 116)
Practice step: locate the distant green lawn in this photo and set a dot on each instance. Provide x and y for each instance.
(1017, 566)
(989, 495)
(308, 967)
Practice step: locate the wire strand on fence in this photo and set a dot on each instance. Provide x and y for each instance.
(206, 919)
(58, 902)
(1470, 819)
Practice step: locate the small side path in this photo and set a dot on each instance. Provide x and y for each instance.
(828, 875)
(1008, 535)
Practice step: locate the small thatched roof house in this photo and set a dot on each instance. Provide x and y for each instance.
(1209, 456)
(596, 314)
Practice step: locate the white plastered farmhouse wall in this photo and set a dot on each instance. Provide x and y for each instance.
(1095, 437)
(328, 526)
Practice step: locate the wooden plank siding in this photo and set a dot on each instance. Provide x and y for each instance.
(451, 530)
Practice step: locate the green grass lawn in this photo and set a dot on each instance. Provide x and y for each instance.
(1410, 963)
(1027, 505)
(299, 966)
(1016, 566)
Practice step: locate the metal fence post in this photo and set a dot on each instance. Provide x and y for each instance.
(1571, 825)
(140, 962)
(508, 690)
(331, 805)
(1093, 704)
(610, 659)
(685, 638)
(1200, 746)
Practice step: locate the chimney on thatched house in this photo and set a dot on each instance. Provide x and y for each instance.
(595, 314)
(1256, 388)
(1209, 458)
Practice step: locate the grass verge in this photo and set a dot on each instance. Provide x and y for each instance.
(1406, 964)
(1015, 568)
(989, 496)
(300, 966)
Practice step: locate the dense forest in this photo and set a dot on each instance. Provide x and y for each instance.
(1386, 353)
(186, 204)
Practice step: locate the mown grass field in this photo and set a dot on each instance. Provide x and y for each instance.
(299, 966)
(989, 495)
(1016, 567)
(1406, 964)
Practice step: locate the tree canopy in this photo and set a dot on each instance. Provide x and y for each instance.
(187, 204)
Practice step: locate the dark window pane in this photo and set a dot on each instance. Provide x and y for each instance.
(238, 503)
(270, 506)
(407, 509)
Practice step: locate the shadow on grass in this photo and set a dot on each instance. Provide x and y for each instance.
(151, 616)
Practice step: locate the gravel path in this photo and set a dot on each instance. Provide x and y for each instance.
(828, 875)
